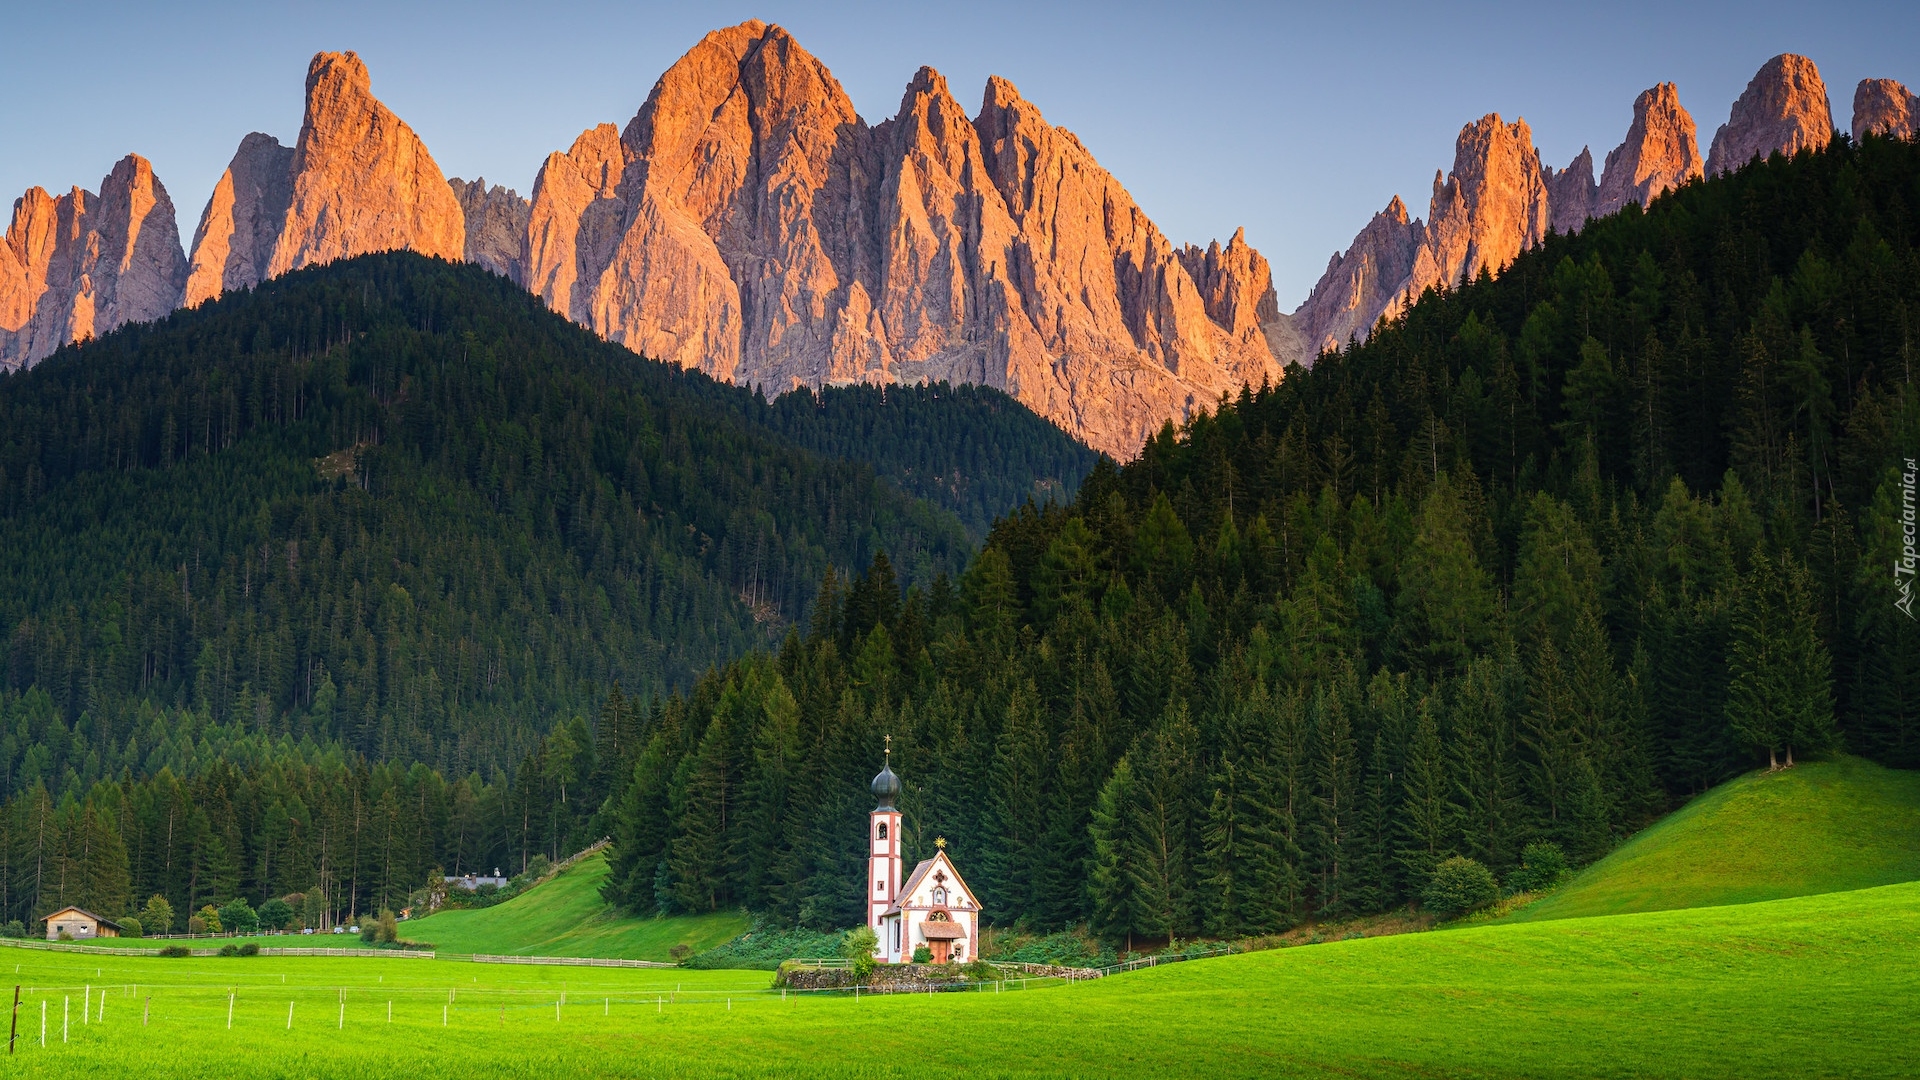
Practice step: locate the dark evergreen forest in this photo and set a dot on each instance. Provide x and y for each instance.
(1537, 562)
(395, 505)
(1540, 561)
(266, 555)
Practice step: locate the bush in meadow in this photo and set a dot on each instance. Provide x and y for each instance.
(1460, 886)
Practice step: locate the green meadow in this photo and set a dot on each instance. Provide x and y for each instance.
(564, 916)
(567, 917)
(1824, 826)
(1811, 986)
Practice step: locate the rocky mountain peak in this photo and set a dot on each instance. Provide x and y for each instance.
(576, 217)
(1885, 106)
(1784, 109)
(358, 180)
(1364, 283)
(496, 224)
(1492, 206)
(1571, 193)
(78, 265)
(1660, 152)
(242, 220)
(749, 223)
(362, 180)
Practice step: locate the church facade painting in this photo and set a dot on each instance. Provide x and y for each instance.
(932, 906)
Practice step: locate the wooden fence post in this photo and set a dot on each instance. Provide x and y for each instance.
(15, 1030)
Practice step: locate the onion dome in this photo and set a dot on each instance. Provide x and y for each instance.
(886, 788)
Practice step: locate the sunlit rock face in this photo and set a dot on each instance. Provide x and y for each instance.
(1886, 107)
(78, 265)
(1497, 202)
(748, 223)
(357, 181)
(1659, 154)
(496, 224)
(1784, 109)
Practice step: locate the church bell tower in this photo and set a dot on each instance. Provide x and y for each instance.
(883, 846)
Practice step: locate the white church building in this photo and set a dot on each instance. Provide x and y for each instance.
(931, 907)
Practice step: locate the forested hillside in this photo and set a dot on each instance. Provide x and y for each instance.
(1538, 562)
(969, 449)
(396, 506)
(1543, 560)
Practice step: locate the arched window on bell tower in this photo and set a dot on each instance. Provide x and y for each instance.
(883, 832)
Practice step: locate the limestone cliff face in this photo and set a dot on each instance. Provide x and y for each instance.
(1497, 202)
(1885, 106)
(575, 219)
(1660, 153)
(358, 181)
(748, 222)
(79, 265)
(496, 224)
(1784, 108)
(1236, 285)
(1494, 205)
(1363, 284)
(1572, 196)
(241, 224)
(362, 180)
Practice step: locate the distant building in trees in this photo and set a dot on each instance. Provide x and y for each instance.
(80, 924)
(470, 882)
(933, 907)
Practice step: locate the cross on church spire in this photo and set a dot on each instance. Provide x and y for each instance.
(888, 739)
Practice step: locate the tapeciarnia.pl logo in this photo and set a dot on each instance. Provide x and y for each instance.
(1903, 567)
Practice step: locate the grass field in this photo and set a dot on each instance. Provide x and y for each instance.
(1813, 986)
(1820, 827)
(561, 917)
(566, 917)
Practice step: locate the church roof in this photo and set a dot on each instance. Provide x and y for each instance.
(942, 931)
(913, 882)
(920, 872)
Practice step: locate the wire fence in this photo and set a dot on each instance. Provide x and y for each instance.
(265, 950)
(557, 961)
(252, 1001)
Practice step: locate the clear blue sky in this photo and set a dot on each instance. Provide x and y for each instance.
(1296, 122)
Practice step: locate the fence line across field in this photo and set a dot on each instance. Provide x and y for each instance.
(265, 950)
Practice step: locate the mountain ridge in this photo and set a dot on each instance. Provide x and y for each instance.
(747, 222)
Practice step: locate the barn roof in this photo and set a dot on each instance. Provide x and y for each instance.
(83, 912)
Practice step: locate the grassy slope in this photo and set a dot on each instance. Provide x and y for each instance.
(1820, 827)
(566, 917)
(1813, 986)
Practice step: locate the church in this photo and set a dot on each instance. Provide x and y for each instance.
(931, 907)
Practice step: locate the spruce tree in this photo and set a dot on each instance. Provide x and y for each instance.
(1019, 798)
(1110, 879)
(1484, 767)
(1429, 819)
(1161, 820)
(1447, 611)
(1334, 767)
(1779, 691)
